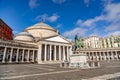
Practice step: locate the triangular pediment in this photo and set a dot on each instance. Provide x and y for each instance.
(58, 39)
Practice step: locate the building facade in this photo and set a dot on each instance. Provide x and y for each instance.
(91, 42)
(106, 42)
(5, 31)
(38, 43)
(110, 42)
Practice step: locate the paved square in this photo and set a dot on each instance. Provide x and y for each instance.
(51, 72)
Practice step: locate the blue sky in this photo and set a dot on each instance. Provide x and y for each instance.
(70, 17)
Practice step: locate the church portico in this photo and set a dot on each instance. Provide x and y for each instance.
(53, 52)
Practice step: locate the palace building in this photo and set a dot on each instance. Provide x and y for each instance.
(97, 42)
(5, 31)
(38, 43)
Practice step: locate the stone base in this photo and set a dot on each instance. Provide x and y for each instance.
(79, 65)
(49, 62)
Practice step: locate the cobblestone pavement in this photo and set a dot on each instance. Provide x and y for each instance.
(52, 72)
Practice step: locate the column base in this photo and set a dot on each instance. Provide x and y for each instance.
(16, 61)
(48, 62)
(10, 61)
(3, 61)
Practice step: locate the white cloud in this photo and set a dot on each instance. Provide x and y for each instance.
(110, 15)
(116, 33)
(110, 18)
(15, 32)
(53, 18)
(45, 17)
(58, 1)
(113, 26)
(105, 2)
(113, 11)
(59, 26)
(87, 2)
(33, 4)
(95, 33)
(89, 22)
(79, 31)
(113, 16)
(79, 22)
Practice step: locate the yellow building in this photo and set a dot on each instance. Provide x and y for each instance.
(91, 42)
(109, 42)
(106, 42)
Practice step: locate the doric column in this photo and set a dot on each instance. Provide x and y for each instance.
(39, 53)
(33, 55)
(70, 50)
(100, 56)
(45, 50)
(93, 56)
(116, 55)
(59, 53)
(11, 53)
(17, 55)
(68, 53)
(54, 52)
(96, 56)
(112, 55)
(104, 56)
(88, 56)
(28, 55)
(23, 52)
(4, 55)
(108, 56)
(63, 53)
(93, 64)
(50, 52)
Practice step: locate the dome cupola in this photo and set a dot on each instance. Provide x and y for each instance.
(24, 36)
(41, 30)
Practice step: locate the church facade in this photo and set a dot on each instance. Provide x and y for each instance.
(38, 43)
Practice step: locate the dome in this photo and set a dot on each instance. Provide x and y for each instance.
(41, 30)
(24, 36)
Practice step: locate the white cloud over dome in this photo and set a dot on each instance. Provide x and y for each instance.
(33, 3)
(58, 1)
(54, 17)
